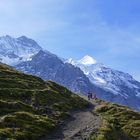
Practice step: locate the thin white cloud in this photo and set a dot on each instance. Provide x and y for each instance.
(30, 17)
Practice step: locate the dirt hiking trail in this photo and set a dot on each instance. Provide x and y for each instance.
(80, 125)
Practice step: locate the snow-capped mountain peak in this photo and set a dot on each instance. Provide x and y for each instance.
(16, 50)
(118, 86)
(86, 75)
(87, 60)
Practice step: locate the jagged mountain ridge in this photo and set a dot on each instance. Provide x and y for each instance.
(50, 67)
(115, 82)
(16, 50)
(89, 76)
(106, 77)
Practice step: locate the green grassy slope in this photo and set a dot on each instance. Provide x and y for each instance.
(30, 107)
(118, 122)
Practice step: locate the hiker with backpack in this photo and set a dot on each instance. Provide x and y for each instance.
(91, 96)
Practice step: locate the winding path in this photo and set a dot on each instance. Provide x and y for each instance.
(80, 125)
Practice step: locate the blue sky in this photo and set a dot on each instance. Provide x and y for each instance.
(108, 30)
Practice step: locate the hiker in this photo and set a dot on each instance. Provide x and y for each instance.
(95, 97)
(89, 95)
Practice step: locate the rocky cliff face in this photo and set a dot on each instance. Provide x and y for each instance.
(50, 67)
